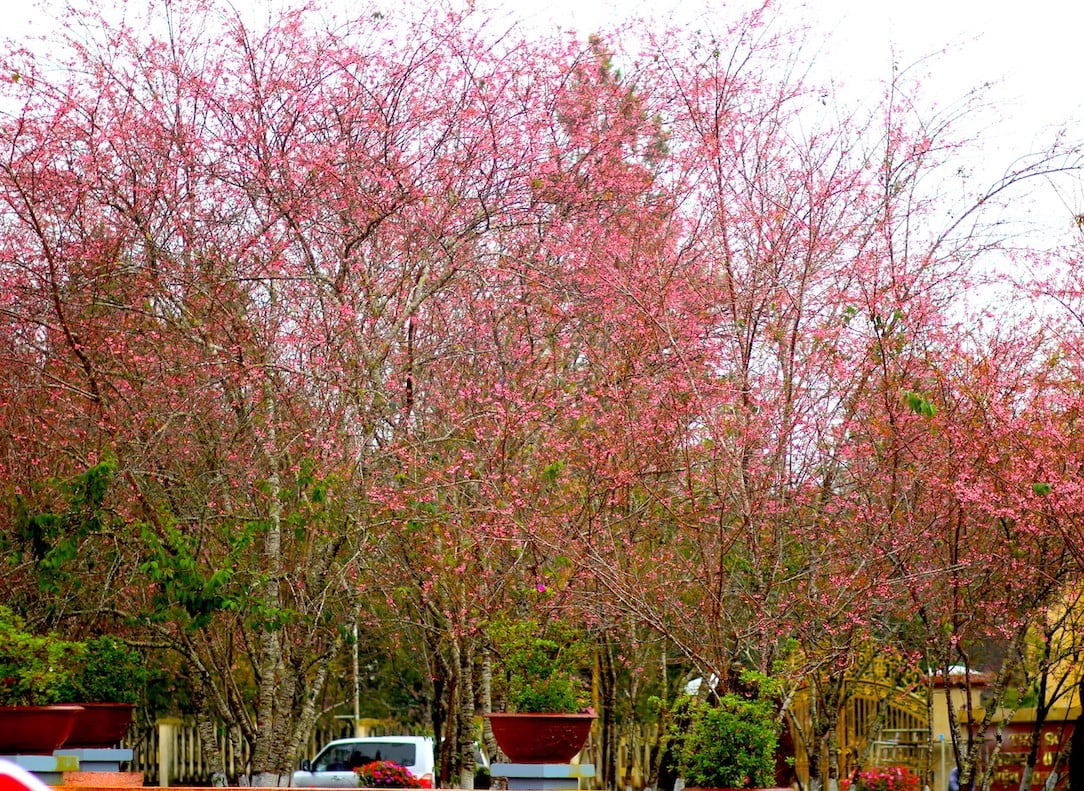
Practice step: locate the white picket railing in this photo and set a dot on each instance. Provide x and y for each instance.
(170, 754)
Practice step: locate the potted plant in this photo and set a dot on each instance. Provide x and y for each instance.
(726, 741)
(546, 717)
(34, 670)
(106, 682)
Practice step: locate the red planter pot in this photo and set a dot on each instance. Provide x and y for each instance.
(541, 738)
(35, 730)
(101, 725)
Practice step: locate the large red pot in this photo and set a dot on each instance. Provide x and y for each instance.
(35, 730)
(100, 725)
(541, 738)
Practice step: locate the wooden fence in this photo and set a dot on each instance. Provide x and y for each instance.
(170, 753)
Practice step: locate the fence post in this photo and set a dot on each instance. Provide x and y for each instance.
(167, 747)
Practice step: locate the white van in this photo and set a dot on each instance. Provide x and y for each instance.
(333, 766)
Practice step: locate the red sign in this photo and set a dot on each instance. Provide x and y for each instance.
(1015, 745)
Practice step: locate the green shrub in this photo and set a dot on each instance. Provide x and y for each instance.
(109, 672)
(728, 744)
(542, 666)
(34, 669)
(38, 670)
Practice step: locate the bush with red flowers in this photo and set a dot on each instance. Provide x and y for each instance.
(887, 778)
(385, 774)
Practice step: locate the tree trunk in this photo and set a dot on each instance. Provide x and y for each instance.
(268, 769)
(489, 743)
(465, 718)
(608, 776)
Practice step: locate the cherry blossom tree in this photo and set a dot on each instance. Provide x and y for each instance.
(415, 315)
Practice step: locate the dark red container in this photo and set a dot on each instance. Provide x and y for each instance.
(100, 725)
(35, 730)
(541, 738)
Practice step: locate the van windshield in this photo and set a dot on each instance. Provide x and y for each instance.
(343, 757)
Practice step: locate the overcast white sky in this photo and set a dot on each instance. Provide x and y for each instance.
(1031, 52)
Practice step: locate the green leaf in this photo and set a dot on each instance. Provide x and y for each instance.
(919, 404)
